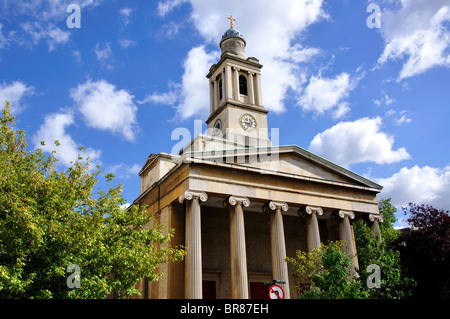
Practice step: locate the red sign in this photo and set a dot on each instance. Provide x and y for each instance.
(276, 292)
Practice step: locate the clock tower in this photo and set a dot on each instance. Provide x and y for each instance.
(236, 107)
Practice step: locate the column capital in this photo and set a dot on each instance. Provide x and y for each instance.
(310, 210)
(272, 205)
(236, 200)
(344, 213)
(376, 217)
(189, 195)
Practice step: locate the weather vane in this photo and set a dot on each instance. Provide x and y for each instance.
(231, 21)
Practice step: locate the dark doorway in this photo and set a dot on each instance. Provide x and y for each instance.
(209, 289)
(259, 291)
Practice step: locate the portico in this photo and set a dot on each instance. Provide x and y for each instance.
(238, 225)
(240, 205)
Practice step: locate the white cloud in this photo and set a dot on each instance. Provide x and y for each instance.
(390, 112)
(15, 92)
(126, 43)
(42, 18)
(125, 15)
(170, 29)
(191, 97)
(54, 129)
(421, 185)
(4, 39)
(169, 98)
(279, 22)
(105, 108)
(325, 94)
(43, 10)
(385, 101)
(195, 89)
(53, 35)
(418, 33)
(360, 141)
(402, 120)
(104, 52)
(164, 7)
(77, 56)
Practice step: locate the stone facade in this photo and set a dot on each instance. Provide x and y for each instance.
(240, 209)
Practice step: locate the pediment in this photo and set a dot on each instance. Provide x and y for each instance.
(286, 160)
(298, 162)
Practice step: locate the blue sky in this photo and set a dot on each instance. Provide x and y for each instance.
(373, 100)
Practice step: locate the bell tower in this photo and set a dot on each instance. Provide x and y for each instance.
(236, 106)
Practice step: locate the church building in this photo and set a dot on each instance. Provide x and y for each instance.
(239, 202)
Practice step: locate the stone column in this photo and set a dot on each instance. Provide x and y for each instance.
(278, 246)
(236, 84)
(216, 95)
(239, 279)
(228, 75)
(193, 242)
(224, 84)
(258, 98)
(312, 227)
(375, 227)
(345, 233)
(251, 90)
(211, 97)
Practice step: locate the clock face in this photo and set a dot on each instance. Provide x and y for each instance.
(248, 122)
(217, 127)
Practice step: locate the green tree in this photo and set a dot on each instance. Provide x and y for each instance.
(50, 220)
(425, 250)
(327, 272)
(394, 281)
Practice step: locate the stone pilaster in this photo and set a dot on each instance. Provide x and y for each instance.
(236, 83)
(193, 242)
(224, 84)
(258, 95)
(216, 95)
(211, 97)
(251, 90)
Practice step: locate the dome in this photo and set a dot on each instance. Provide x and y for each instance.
(232, 33)
(233, 42)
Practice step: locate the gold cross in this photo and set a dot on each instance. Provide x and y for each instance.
(231, 20)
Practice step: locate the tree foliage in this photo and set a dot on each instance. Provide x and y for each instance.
(325, 273)
(425, 250)
(51, 219)
(371, 250)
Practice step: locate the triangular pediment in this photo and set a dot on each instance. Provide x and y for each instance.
(268, 159)
(286, 160)
(309, 165)
(302, 163)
